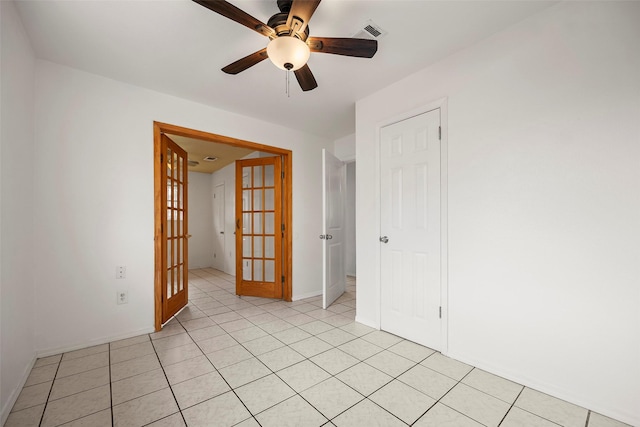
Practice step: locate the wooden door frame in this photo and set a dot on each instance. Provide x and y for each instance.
(287, 167)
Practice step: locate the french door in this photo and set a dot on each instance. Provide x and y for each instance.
(174, 228)
(259, 227)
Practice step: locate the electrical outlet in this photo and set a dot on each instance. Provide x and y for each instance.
(121, 272)
(122, 297)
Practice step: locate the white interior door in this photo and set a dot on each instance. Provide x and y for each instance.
(218, 228)
(410, 229)
(333, 232)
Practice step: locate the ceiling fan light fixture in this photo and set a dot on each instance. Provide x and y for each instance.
(288, 52)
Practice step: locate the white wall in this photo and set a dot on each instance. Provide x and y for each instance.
(227, 176)
(93, 215)
(17, 296)
(345, 148)
(200, 220)
(350, 220)
(544, 203)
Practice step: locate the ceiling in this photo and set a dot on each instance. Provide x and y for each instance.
(178, 47)
(197, 150)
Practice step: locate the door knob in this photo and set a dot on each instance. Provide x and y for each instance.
(222, 232)
(384, 239)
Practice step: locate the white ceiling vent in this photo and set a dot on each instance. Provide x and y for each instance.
(210, 159)
(370, 30)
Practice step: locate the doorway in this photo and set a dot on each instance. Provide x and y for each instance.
(160, 129)
(218, 227)
(410, 229)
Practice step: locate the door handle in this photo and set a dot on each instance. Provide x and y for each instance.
(188, 236)
(326, 237)
(384, 239)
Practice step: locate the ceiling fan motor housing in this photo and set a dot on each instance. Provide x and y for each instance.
(284, 5)
(279, 24)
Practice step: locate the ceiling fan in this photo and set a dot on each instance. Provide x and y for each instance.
(290, 45)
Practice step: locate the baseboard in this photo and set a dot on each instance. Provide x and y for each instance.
(366, 322)
(307, 295)
(15, 393)
(98, 341)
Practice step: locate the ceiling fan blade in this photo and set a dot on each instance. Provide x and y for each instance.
(228, 10)
(246, 62)
(303, 10)
(305, 78)
(361, 48)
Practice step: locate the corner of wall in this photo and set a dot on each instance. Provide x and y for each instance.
(17, 286)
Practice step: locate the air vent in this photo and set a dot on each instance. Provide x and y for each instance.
(210, 159)
(192, 163)
(370, 30)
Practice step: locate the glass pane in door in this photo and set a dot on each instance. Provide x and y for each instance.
(268, 176)
(257, 176)
(257, 223)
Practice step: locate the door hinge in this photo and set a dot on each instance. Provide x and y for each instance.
(440, 133)
(282, 228)
(161, 228)
(440, 312)
(282, 279)
(282, 175)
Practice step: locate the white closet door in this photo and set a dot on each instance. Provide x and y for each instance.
(410, 229)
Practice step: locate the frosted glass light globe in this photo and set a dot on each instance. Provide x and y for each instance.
(288, 53)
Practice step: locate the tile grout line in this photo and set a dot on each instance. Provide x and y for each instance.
(168, 385)
(448, 391)
(50, 390)
(110, 387)
(80, 392)
(221, 376)
(510, 407)
(537, 415)
(392, 379)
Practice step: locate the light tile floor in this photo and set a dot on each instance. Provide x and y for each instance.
(227, 361)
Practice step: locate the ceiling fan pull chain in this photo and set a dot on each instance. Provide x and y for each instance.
(288, 74)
